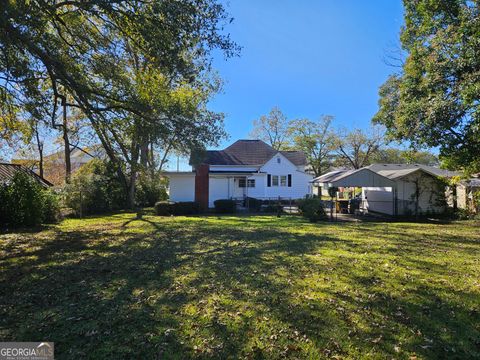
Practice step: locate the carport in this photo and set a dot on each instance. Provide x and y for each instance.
(378, 192)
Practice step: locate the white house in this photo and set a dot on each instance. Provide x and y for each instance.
(394, 189)
(247, 168)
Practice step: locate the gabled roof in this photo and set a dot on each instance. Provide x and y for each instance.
(396, 171)
(332, 176)
(7, 171)
(250, 152)
(389, 171)
(363, 177)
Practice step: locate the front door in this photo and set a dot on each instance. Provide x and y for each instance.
(239, 191)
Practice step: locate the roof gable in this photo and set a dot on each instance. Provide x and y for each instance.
(7, 172)
(250, 152)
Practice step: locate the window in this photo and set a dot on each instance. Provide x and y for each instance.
(283, 180)
(249, 182)
(274, 180)
(279, 160)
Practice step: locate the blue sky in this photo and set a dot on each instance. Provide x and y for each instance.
(307, 57)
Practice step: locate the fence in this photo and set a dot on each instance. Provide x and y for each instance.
(267, 204)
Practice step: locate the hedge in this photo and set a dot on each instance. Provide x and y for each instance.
(165, 208)
(225, 206)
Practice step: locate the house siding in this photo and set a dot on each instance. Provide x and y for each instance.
(182, 188)
(300, 180)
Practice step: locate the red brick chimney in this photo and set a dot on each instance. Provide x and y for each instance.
(202, 185)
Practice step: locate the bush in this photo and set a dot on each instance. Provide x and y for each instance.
(165, 208)
(24, 202)
(150, 190)
(95, 188)
(225, 206)
(51, 207)
(162, 208)
(185, 208)
(312, 209)
(253, 204)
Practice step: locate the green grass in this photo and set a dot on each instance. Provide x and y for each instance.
(243, 287)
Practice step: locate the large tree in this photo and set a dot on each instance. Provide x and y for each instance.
(434, 99)
(272, 128)
(134, 68)
(316, 140)
(356, 148)
(390, 155)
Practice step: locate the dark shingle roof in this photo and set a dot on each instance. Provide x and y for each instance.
(7, 171)
(250, 152)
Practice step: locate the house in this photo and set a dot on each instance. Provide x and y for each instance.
(467, 193)
(54, 164)
(247, 168)
(7, 172)
(394, 189)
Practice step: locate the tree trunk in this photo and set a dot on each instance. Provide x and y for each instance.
(131, 191)
(40, 153)
(66, 143)
(144, 154)
(133, 177)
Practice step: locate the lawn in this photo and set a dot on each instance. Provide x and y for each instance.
(114, 287)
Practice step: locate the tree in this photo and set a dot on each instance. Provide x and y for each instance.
(356, 148)
(134, 68)
(316, 140)
(399, 156)
(433, 100)
(272, 128)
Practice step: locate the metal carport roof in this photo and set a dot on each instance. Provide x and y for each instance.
(353, 178)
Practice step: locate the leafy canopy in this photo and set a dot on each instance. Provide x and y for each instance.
(434, 100)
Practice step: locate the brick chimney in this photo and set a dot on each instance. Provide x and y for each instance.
(202, 185)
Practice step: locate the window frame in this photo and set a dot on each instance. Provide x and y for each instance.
(243, 183)
(277, 178)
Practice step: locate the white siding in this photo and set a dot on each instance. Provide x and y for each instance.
(219, 188)
(182, 187)
(300, 180)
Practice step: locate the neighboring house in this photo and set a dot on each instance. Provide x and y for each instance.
(467, 191)
(394, 189)
(54, 164)
(7, 172)
(247, 168)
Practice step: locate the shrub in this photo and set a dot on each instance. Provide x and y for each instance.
(225, 206)
(24, 202)
(312, 209)
(94, 189)
(165, 208)
(162, 208)
(185, 208)
(253, 204)
(150, 189)
(50, 206)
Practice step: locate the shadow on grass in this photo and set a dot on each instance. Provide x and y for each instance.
(218, 288)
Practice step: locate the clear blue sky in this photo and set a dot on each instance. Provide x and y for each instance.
(308, 57)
